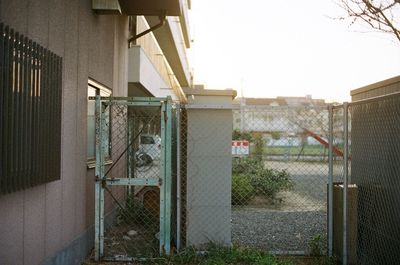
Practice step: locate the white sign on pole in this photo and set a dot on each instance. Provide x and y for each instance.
(240, 148)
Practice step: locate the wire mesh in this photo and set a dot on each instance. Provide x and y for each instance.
(276, 197)
(375, 168)
(372, 198)
(338, 144)
(343, 236)
(183, 122)
(279, 190)
(132, 212)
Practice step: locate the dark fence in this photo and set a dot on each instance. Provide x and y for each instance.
(30, 112)
(375, 168)
(366, 214)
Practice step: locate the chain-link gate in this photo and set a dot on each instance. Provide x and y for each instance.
(280, 177)
(135, 176)
(364, 177)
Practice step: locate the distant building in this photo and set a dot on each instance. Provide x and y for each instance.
(282, 119)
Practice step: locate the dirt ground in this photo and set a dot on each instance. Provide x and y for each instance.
(296, 260)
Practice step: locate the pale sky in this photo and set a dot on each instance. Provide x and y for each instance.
(286, 48)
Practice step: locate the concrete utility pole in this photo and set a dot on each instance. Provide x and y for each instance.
(242, 105)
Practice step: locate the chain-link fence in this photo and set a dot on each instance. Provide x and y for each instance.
(275, 198)
(273, 193)
(279, 187)
(136, 169)
(365, 213)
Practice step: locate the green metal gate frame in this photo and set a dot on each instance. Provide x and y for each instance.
(164, 182)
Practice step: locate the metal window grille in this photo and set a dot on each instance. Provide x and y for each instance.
(30, 112)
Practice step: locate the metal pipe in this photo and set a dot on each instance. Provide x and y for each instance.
(104, 144)
(97, 180)
(159, 25)
(178, 176)
(345, 180)
(162, 178)
(330, 183)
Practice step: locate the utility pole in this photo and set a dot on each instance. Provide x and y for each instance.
(242, 105)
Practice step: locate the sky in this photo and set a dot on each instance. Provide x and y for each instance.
(268, 48)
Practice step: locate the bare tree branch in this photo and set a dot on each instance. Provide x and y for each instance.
(381, 15)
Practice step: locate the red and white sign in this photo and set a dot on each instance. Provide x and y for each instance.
(240, 148)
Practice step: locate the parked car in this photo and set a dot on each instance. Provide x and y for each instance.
(150, 144)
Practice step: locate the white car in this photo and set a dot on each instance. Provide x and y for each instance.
(150, 144)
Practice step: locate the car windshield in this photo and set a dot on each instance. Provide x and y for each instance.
(147, 140)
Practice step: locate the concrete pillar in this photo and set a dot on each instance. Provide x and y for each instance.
(209, 166)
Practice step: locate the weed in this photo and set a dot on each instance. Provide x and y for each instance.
(315, 245)
(217, 255)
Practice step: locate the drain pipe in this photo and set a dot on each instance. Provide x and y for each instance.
(162, 18)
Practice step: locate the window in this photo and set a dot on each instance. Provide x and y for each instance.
(147, 140)
(30, 113)
(94, 89)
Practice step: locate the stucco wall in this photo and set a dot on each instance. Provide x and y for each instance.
(209, 167)
(37, 223)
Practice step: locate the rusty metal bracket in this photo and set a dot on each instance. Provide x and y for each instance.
(162, 18)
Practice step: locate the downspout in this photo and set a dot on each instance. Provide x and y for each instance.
(159, 25)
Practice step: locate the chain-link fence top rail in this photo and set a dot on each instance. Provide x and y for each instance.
(132, 213)
(279, 190)
(375, 169)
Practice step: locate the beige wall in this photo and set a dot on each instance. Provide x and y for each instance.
(38, 222)
(209, 167)
(381, 88)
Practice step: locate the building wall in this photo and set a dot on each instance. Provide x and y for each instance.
(37, 223)
(381, 88)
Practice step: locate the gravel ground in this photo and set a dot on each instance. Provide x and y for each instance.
(289, 226)
(278, 231)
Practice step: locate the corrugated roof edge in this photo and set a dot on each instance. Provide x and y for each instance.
(376, 85)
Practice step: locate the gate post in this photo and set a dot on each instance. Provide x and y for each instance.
(209, 166)
(330, 182)
(345, 179)
(99, 171)
(166, 178)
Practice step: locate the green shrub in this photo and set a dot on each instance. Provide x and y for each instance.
(238, 135)
(276, 135)
(242, 190)
(248, 166)
(259, 144)
(268, 182)
(250, 177)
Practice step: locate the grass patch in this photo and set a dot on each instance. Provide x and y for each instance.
(309, 150)
(216, 255)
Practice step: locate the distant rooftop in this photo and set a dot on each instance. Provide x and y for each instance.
(281, 101)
